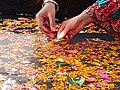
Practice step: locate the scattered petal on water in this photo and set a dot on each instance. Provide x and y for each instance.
(104, 76)
(90, 79)
(28, 59)
(98, 85)
(92, 56)
(72, 51)
(34, 88)
(68, 57)
(101, 71)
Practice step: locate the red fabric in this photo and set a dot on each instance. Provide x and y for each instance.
(101, 15)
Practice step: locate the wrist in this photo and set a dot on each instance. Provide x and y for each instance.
(50, 5)
(52, 2)
(85, 19)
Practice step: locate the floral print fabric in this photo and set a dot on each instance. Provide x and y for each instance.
(106, 14)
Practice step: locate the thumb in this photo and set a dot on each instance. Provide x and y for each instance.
(52, 22)
(63, 33)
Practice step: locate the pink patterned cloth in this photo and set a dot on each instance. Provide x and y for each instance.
(106, 14)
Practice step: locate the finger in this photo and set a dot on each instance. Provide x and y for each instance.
(46, 23)
(78, 29)
(68, 36)
(73, 32)
(60, 29)
(47, 32)
(41, 24)
(39, 20)
(63, 33)
(52, 22)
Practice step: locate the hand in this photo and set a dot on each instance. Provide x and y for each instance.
(46, 19)
(72, 26)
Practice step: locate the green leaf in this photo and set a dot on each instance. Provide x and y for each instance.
(118, 87)
(71, 81)
(76, 81)
(79, 80)
(59, 63)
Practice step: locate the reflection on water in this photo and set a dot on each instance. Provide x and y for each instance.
(17, 58)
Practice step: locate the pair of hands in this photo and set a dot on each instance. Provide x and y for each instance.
(46, 21)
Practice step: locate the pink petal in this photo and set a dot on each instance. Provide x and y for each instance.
(33, 88)
(72, 51)
(105, 76)
(12, 26)
(59, 53)
(31, 73)
(16, 52)
(98, 85)
(117, 68)
(92, 79)
(101, 71)
(117, 58)
(62, 70)
(97, 53)
(17, 86)
(24, 19)
(93, 56)
(67, 57)
(28, 30)
(57, 47)
(81, 49)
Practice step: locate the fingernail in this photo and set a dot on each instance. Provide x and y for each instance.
(61, 35)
